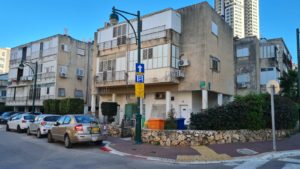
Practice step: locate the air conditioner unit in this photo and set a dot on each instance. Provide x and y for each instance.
(179, 74)
(183, 62)
(23, 78)
(29, 78)
(63, 74)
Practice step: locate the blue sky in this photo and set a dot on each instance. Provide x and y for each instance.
(24, 21)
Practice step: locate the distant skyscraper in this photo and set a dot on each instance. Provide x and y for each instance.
(241, 15)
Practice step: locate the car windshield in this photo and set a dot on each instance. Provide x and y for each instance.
(85, 119)
(6, 114)
(51, 118)
(28, 117)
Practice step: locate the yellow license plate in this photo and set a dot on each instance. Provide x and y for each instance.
(95, 130)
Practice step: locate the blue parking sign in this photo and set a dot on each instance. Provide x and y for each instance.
(139, 78)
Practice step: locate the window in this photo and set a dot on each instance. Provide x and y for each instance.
(214, 64)
(106, 65)
(67, 120)
(37, 94)
(63, 71)
(80, 51)
(160, 95)
(119, 30)
(61, 92)
(243, 78)
(78, 94)
(214, 28)
(242, 52)
(64, 47)
(48, 90)
(3, 93)
(175, 57)
(3, 54)
(79, 72)
(61, 120)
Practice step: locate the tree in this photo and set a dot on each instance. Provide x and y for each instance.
(288, 83)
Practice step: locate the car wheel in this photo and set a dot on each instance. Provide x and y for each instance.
(38, 134)
(50, 138)
(68, 143)
(28, 132)
(7, 128)
(19, 129)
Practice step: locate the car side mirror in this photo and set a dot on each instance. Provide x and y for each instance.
(57, 124)
(31, 121)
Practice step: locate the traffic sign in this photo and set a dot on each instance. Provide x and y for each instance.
(139, 78)
(139, 68)
(139, 90)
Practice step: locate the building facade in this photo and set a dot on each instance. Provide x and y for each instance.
(241, 15)
(63, 71)
(4, 60)
(188, 61)
(259, 61)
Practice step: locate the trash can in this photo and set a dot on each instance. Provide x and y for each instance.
(180, 123)
(156, 124)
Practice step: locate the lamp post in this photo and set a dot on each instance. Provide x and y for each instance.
(21, 66)
(298, 58)
(114, 18)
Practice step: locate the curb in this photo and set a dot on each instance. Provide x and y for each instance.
(265, 156)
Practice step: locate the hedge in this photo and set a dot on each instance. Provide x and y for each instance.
(4, 108)
(248, 112)
(64, 106)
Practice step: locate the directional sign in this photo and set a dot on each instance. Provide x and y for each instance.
(139, 90)
(139, 78)
(139, 68)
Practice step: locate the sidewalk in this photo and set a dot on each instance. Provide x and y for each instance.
(213, 152)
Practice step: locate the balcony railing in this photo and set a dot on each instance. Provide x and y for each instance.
(110, 76)
(149, 34)
(27, 98)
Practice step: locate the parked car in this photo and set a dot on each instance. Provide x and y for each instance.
(5, 117)
(76, 129)
(42, 124)
(20, 122)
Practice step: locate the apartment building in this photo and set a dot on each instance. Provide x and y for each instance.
(188, 58)
(63, 71)
(259, 61)
(4, 60)
(241, 15)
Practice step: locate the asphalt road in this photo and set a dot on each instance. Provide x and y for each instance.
(19, 151)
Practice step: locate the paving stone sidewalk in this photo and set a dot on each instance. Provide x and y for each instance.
(213, 152)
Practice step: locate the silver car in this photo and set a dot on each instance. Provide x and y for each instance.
(42, 124)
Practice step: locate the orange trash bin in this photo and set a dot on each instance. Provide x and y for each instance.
(156, 124)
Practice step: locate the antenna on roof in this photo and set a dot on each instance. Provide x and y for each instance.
(66, 31)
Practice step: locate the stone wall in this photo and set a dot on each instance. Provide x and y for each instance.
(200, 137)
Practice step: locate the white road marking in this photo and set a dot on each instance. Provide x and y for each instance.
(291, 166)
(290, 160)
(252, 164)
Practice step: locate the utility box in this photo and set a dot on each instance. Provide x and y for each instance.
(130, 111)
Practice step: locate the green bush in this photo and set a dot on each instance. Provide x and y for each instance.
(170, 122)
(247, 112)
(4, 108)
(109, 108)
(71, 106)
(51, 106)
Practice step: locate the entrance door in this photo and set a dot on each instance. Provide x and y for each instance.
(184, 113)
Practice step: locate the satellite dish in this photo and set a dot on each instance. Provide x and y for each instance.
(271, 84)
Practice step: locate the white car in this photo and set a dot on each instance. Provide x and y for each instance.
(42, 124)
(20, 122)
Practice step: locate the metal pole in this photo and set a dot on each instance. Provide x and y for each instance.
(34, 87)
(138, 126)
(298, 58)
(273, 117)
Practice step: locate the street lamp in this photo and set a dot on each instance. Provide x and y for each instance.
(21, 67)
(298, 58)
(114, 18)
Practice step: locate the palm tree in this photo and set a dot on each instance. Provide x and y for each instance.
(288, 83)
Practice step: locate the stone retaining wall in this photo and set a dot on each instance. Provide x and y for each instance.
(200, 137)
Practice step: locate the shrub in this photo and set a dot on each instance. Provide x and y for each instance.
(71, 106)
(109, 108)
(51, 106)
(170, 122)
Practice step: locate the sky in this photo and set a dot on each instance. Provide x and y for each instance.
(23, 21)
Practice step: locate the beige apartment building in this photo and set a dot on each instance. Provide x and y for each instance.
(63, 71)
(4, 60)
(188, 58)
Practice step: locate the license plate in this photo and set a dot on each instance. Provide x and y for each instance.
(95, 130)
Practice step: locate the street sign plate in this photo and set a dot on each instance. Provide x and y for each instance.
(139, 90)
(139, 78)
(139, 68)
